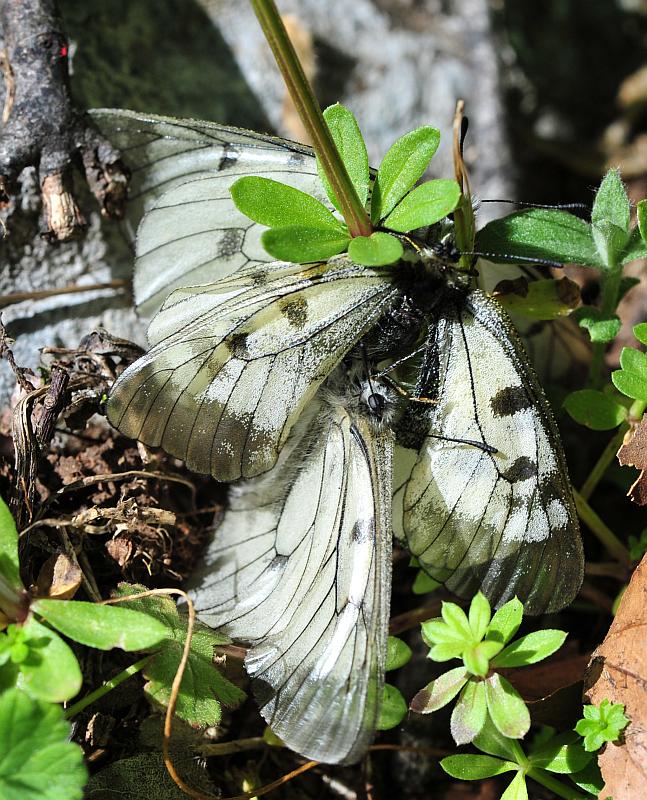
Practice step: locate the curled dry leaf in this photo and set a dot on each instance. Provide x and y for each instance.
(633, 453)
(618, 671)
(59, 578)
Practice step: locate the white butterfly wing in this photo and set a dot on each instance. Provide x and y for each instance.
(301, 570)
(182, 171)
(502, 522)
(232, 364)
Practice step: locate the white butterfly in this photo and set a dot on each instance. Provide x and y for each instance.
(232, 384)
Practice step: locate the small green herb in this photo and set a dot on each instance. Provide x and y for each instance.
(480, 641)
(601, 724)
(203, 686)
(37, 760)
(562, 755)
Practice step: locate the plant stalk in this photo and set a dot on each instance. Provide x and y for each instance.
(600, 529)
(358, 221)
(609, 300)
(108, 686)
(556, 786)
(603, 463)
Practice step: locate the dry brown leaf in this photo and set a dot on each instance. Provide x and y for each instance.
(634, 454)
(60, 577)
(618, 672)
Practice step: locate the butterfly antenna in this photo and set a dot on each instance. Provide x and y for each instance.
(487, 448)
(561, 206)
(545, 262)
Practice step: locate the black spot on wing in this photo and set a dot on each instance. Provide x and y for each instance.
(237, 344)
(229, 157)
(508, 401)
(521, 470)
(295, 309)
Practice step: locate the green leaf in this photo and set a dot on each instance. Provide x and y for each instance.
(470, 711)
(506, 707)
(437, 631)
(9, 564)
(545, 233)
(610, 241)
(402, 166)
(590, 778)
(144, 777)
(479, 615)
(423, 583)
(517, 789)
(562, 754)
(595, 409)
(632, 378)
(477, 659)
(203, 686)
(545, 299)
(602, 723)
(393, 708)
(634, 361)
(630, 384)
(446, 651)
(278, 205)
(49, 672)
(476, 662)
(440, 691)
(303, 244)
(635, 248)
(641, 215)
(375, 250)
(37, 762)
(103, 627)
(601, 328)
(455, 618)
(475, 767)
(398, 653)
(491, 740)
(425, 205)
(530, 649)
(640, 332)
(627, 283)
(505, 623)
(637, 545)
(352, 149)
(611, 203)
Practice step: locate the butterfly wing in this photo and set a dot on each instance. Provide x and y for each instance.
(232, 364)
(503, 522)
(301, 570)
(182, 171)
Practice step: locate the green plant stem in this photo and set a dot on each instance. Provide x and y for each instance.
(358, 221)
(609, 300)
(108, 686)
(556, 786)
(600, 529)
(14, 603)
(603, 463)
